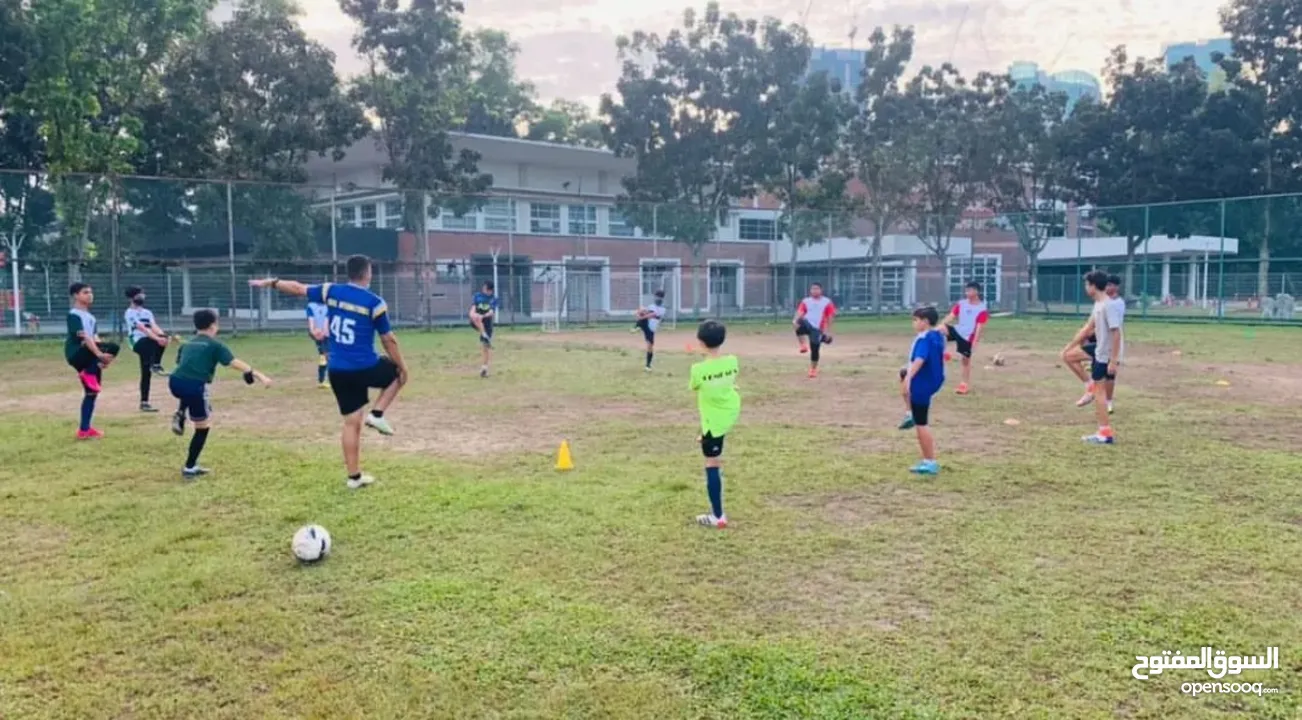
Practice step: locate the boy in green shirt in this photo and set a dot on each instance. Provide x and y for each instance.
(714, 380)
(196, 364)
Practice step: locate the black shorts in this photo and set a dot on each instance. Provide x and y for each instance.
(352, 388)
(1099, 371)
(84, 359)
(193, 396)
(322, 346)
(711, 446)
(647, 332)
(1088, 348)
(920, 410)
(964, 346)
(488, 330)
(807, 329)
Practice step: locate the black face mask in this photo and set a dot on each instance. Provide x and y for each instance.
(138, 300)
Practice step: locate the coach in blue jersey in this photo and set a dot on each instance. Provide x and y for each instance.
(354, 316)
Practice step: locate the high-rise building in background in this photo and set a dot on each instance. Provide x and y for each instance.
(1075, 84)
(1201, 52)
(840, 64)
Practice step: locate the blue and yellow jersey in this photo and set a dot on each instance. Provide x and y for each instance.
(484, 302)
(354, 316)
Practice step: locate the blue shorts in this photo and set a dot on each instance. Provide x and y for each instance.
(645, 325)
(193, 395)
(1099, 371)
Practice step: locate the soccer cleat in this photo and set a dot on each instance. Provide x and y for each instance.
(191, 473)
(324, 384)
(486, 340)
(647, 368)
(379, 424)
(803, 349)
(948, 356)
(178, 423)
(926, 467)
(1109, 407)
(1100, 439)
(907, 423)
(362, 481)
(1085, 399)
(961, 390)
(813, 373)
(89, 380)
(709, 520)
(147, 408)
(91, 434)
(158, 370)
(483, 372)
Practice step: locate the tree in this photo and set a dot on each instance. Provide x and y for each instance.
(953, 164)
(249, 100)
(1028, 179)
(568, 123)
(1143, 150)
(1267, 55)
(685, 109)
(797, 128)
(879, 147)
(416, 88)
(99, 66)
(498, 103)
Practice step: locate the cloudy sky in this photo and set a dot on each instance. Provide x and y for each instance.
(567, 46)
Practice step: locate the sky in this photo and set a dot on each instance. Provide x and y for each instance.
(568, 46)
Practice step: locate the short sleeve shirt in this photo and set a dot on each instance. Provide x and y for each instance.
(484, 303)
(200, 357)
(970, 316)
(81, 324)
(1108, 314)
(135, 317)
(929, 347)
(657, 314)
(715, 382)
(354, 316)
(818, 311)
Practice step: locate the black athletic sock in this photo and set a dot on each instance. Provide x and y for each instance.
(196, 447)
(648, 358)
(377, 413)
(355, 476)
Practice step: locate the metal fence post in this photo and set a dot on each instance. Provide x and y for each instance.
(1220, 282)
(230, 252)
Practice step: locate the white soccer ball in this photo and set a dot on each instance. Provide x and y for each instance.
(311, 543)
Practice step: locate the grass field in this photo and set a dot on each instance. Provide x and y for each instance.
(474, 581)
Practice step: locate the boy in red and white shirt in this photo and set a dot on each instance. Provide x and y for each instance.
(966, 321)
(813, 323)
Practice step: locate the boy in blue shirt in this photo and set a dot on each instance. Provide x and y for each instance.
(920, 380)
(355, 316)
(483, 309)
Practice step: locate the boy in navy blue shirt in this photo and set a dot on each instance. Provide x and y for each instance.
(354, 317)
(920, 380)
(483, 309)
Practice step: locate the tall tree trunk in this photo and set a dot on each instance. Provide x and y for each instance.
(698, 260)
(1263, 259)
(1031, 281)
(877, 270)
(791, 281)
(1129, 286)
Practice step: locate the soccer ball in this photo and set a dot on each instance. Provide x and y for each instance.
(311, 543)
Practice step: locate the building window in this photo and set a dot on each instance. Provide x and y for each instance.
(757, 229)
(469, 221)
(618, 225)
(393, 214)
(499, 215)
(367, 219)
(659, 276)
(981, 268)
(545, 218)
(347, 216)
(452, 272)
(583, 219)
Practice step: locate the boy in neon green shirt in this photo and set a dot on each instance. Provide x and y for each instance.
(714, 380)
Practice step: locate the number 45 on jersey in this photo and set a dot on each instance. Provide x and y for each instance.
(341, 329)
